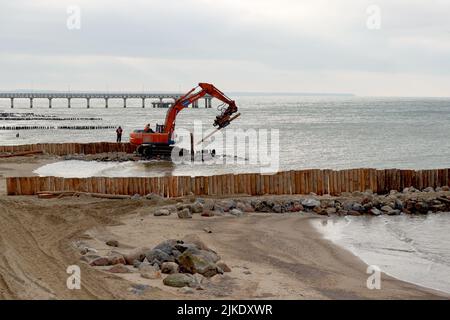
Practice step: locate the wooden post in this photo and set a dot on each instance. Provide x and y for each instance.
(192, 147)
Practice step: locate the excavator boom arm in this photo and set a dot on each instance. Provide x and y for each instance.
(221, 120)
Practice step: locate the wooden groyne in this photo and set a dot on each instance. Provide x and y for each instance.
(62, 149)
(20, 128)
(290, 182)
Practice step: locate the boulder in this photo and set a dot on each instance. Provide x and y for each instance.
(445, 188)
(244, 206)
(197, 207)
(100, 261)
(169, 267)
(119, 268)
(375, 212)
(116, 258)
(179, 280)
(429, 189)
(161, 212)
(236, 212)
(226, 205)
(310, 203)
(386, 208)
(195, 240)
(394, 212)
(197, 261)
(184, 214)
(156, 256)
(168, 246)
(330, 211)
(261, 206)
(112, 243)
(135, 255)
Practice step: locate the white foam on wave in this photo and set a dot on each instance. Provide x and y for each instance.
(412, 249)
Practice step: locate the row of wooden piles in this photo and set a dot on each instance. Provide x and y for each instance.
(289, 182)
(62, 149)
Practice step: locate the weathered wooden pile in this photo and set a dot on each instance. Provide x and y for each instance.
(289, 182)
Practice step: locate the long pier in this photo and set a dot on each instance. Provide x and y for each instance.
(163, 100)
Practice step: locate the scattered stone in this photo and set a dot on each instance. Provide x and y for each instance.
(236, 212)
(310, 203)
(394, 212)
(169, 267)
(184, 214)
(386, 208)
(119, 268)
(375, 212)
(116, 258)
(247, 272)
(330, 211)
(100, 261)
(157, 256)
(429, 189)
(112, 243)
(207, 230)
(161, 212)
(179, 280)
(197, 207)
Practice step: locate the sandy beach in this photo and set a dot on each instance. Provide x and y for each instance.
(271, 256)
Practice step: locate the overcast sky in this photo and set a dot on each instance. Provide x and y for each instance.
(246, 45)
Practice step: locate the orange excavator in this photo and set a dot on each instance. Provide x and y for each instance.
(160, 142)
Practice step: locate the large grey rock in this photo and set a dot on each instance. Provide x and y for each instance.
(310, 203)
(236, 212)
(158, 256)
(197, 207)
(161, 212)
(375, 212)
(179, 280)
(184, 214)
(198, 261)
(429, 189)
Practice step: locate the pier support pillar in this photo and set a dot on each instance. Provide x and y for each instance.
(68, 102)
(31, 103)
(106, 103)
(88, 102)
(143, 102)
(124, 102)
(49, 103)
(12, 103)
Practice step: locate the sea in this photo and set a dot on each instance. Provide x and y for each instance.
(284, 132)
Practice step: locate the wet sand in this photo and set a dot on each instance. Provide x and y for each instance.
(272, 256)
